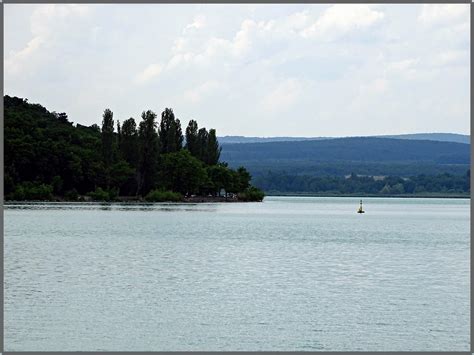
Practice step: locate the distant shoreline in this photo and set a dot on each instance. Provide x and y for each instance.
(294, 194)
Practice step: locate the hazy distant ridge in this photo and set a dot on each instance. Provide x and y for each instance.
(352, 149)
(441, 137)
(342, 156)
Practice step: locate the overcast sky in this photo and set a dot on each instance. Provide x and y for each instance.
(254, 70)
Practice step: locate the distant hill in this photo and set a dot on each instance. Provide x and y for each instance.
(442, 137)
(353, 149)
(242, 139)
(341, 156)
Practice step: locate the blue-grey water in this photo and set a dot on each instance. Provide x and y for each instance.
(286, 274)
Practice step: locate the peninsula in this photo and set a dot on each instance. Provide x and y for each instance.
(47, 157)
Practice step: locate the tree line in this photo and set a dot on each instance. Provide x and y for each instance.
(46, 155)
(441, 184)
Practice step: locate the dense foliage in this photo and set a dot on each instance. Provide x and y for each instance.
(47, 156)
(322, 169)
(365, 185)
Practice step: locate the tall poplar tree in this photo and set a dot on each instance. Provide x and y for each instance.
(107, 135)
(213, 149)
(107, 139)
(202, 139)
(149, 150)
(129, 142)
(171, 135)
(192, 138)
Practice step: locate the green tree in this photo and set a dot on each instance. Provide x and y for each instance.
(149, 150)
(129, 142)
(221, 178)
(243, 179)
(202, 139)
(107, 137)
(119, 134)
(213, 149)
(171, 135)
(121, 172)
(181, 172)
(192, 138)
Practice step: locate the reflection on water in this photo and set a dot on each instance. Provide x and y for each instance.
(190, 207)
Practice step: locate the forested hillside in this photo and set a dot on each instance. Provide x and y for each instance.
(342, 156)
(421, 185)
(362, 149)
(47, 156)
(401, 166)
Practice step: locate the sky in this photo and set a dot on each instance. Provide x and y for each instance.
(252, 70)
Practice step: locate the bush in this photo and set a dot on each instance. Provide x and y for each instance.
(251, 194)
(99, 195)
(32, 191)
(113, 193)
(71, 195)
(161, 195)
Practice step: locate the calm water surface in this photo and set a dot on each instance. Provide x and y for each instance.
(287, 274)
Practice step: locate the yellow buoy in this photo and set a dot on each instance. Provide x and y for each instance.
(360, 210)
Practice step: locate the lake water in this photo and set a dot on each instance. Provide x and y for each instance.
(286, 274)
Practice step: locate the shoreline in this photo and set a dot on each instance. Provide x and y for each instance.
(130, 201)
(197, 200)
(447, 196)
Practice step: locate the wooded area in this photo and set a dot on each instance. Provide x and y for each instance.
(47, 157)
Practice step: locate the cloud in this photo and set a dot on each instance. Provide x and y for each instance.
(403, 65)
(443, 14)
(14, 63)
(198, 23)
(46, 18)
(450, 57)
(198, 93)
(283, 97)
(319, 61)
(377, 86)
(406, 67)
(150, 72)
(192, 51)
(341, 19)
(46, 22)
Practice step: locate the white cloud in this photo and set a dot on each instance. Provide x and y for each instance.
(150, 72)
(198, 23)
(283, 97)
(443, 14)
(47, 17)
(188, 50)
(297, 21)
(451, 57)
(323, 62)
(14, 63)
(46, 22)
(202, 91)
(194, 51)
(341, 19)
(376, 86)
(403, 65)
